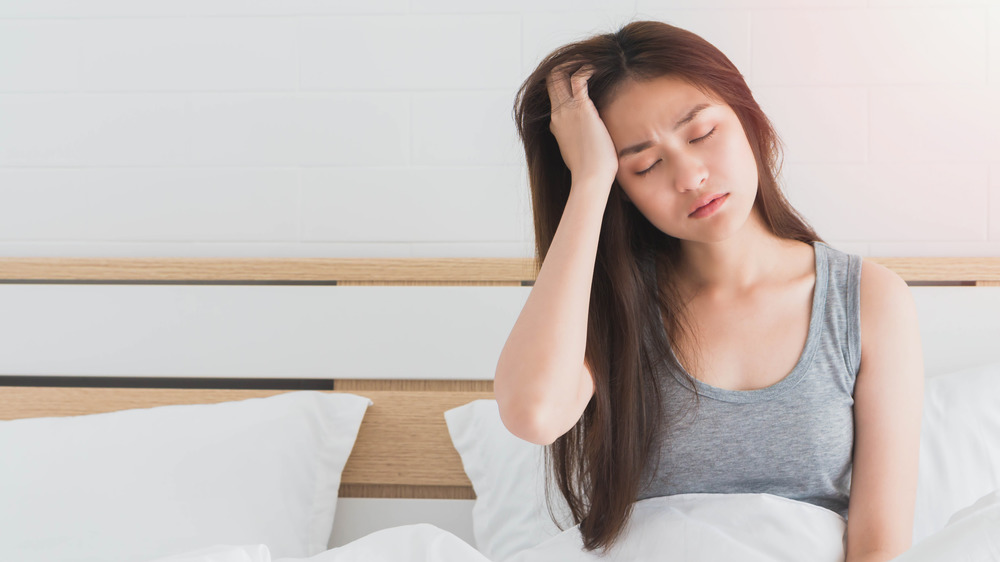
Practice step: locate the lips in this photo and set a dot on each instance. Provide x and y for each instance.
(704, 201)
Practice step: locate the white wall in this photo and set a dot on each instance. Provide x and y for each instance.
(383, 127)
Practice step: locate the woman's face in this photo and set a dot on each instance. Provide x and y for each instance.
(679, 162)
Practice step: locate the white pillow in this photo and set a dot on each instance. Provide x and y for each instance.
(959, 445)
(959, 462)
(507, 474)
(137, 484)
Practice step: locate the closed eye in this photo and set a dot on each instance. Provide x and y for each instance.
(647, 170)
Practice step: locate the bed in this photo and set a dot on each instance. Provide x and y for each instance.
(247, 369)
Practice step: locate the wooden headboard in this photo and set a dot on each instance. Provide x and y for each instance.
(403, 449)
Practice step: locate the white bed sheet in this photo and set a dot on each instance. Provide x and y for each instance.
(690, 527)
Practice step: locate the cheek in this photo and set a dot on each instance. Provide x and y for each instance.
(662, 209)
(741, 146)
(735, 159)
(750, 164)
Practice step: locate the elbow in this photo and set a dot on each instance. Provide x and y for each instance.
(535, 437)
(523, 416)
(539, 434)
(521, 421)
(524, 425)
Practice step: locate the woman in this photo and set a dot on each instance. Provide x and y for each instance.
(687, 330)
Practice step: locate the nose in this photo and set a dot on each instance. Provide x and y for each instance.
(691, 173)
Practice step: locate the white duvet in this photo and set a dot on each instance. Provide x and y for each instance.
(688, 527)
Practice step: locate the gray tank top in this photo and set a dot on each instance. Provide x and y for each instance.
(792, 439)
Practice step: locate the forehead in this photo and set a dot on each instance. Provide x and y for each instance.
(639, 107)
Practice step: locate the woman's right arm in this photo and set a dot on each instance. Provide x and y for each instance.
(542, 384)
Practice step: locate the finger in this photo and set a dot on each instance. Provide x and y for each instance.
(557, 82)
(579, 79)
(558, 86)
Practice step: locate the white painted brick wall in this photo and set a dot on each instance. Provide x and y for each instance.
(384, 127)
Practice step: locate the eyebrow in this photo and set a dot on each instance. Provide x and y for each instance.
(646, 144)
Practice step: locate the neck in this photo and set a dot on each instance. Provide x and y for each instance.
(735, 266)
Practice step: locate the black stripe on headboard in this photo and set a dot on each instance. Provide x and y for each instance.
(168, 382)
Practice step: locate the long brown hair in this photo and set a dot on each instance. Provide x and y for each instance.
(598, 464)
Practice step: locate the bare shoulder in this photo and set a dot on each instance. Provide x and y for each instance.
(885, 299)
(878, 280)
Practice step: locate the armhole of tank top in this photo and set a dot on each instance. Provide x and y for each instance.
(854, 313)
